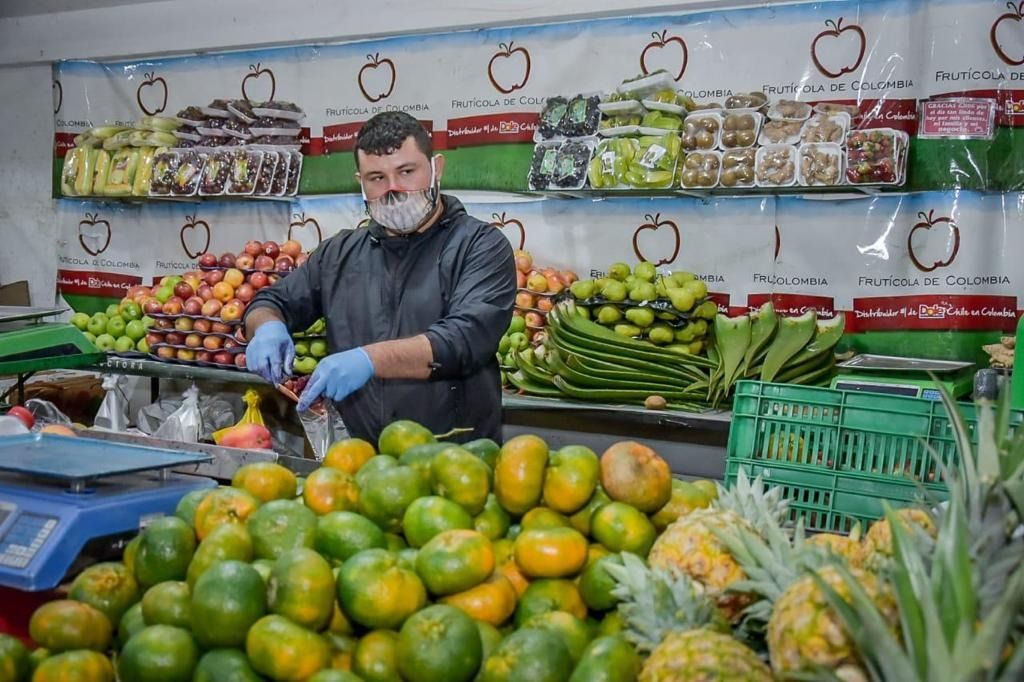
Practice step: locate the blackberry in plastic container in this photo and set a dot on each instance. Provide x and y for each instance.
(543, 165)
(582, 116)
(571, 164)
(551, 116)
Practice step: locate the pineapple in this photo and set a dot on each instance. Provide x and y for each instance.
(849, 548)
(691, 543)
(878, 541)
(684, 635)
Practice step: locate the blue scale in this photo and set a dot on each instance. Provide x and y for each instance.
(61, 495)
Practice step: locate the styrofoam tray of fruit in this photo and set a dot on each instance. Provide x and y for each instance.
(175, 316)
(232, 349)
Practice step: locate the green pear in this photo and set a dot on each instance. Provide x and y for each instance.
(518, 324)
(318, 348)
(682, 299)
(697, 287)
(608, 314)
(661, 334)
(583, 289)
(643, 292)
(304, 365)
(641, 317)
(627, 330)
(681, 278)
(619, 271)
(706, 310)
(301, 349)
(645, 271)
(615, 291)
(661, 288)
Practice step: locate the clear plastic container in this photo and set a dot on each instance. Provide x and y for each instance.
(165, 165)
(242, 110)
(753, 101)
(275, 132)
(875, 156)
(740, 129)
(542, 166)
(265, 180)
(780, 132)
(294, 173)
(776, 166)
(190, 116)
(653, 105)
(237, 129)
(188, 136)
(214, 180)
(623, 107)
(639, 88)
(188, 173)
(825, 128)
(821, 164)
(702, 131)
(701, 170)
(570, 170)
(619, 131)
(245, 168)
(279, 109)
(789, 110)
(218, 108)
(280, 184)
(738, 168)
(611, 160)
(851, 110)
(654, 165)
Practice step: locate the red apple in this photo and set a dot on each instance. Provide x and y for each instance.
(258, 280)
(245, 292)
(291, 248)
(205, 291)
(534, 319)
(226, 260)
(136, 291)
(221, 328)
(151, 306)
(301, 259)
(240, 334)
(193, 306)
(284, 264)
(223, 358)
(212, 342)
(183, 290)
(172, 307)
(194, 340)
(555, 283)
(184, 324)
(253, 248)
(524, 299)
(208, 260)
(270, 248)
(245, 261)
(223, 292)
(240, 360)
(523, 261)
(204, 356)
(164, 323)
(175, 338)
(231, 312)
(545, 303)
(520, 279)
(203, 326)
(214, 276)
(186, 355)
(230, 344)
(212, 308)
(264, 263)
(153, 338)
(166, 353)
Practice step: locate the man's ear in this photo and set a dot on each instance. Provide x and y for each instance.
(439, 166)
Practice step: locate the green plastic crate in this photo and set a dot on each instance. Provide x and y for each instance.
(838, 455)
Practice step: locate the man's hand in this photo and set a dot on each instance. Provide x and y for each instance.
(337, 376)
(270, 352)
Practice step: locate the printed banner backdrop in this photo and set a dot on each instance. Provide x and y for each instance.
(480, 91)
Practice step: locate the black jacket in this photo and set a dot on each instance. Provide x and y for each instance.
(456, 283)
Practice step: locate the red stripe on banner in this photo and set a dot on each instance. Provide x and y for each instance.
(304, 140)
(492, 129)
(721, 300)
(794, 304)
(341, 137)
(936, 312)
(900, 114)
(1009, 104)
(62, 142)
(94, 283)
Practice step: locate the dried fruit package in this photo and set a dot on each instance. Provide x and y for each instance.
(821, 164)
(122, 172)
(776, 166)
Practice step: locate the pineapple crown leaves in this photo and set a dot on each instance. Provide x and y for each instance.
(748, 499)
(657, 602)
(942, 636)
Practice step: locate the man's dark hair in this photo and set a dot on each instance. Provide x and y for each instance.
(387, 131)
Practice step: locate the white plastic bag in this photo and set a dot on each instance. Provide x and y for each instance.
(46, 413)
(113, 412)
(218, 410)
(186, 423)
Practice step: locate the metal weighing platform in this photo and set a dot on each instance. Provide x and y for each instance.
(61, 495)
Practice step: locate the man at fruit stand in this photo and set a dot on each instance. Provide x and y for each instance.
(415, 303)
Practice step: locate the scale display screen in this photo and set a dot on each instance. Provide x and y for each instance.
(24, 538)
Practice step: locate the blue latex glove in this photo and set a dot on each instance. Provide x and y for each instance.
(270, 352)
(337, 376)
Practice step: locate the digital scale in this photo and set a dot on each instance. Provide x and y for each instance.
(909, 377)
(63, 497)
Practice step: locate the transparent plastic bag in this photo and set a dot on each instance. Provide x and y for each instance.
(323, 426)
(218, 411)
(46, 413)
(185, 424)
(113, 412)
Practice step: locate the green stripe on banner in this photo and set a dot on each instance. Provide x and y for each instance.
(89, 304)
(498, 167)
(984, 165)
(943, 345)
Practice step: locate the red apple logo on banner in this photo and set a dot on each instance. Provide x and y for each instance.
(517, 237)
(378, 77)
(840, 49)
(778, 243)
(305, 231)
(665, 52)
(262, 81)
(93, 234)
(653, 225)
(195, 237)
(1007, 35)
(58, 96)
(152, 94)
(509, 68)
(921, 254)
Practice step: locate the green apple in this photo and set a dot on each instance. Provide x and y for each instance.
(164, 293)
(142, 346)
(90, 337)
(81, 321)
(135, 330)
(112, 310)
(130, 310)
(124, 344)
(105, 342)
(518, 341)
(115, 326)
(148, 321)
(97, 324)
(518, 324)
(504, 345)
(301, 349)
(304, 365)
(318, 348)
